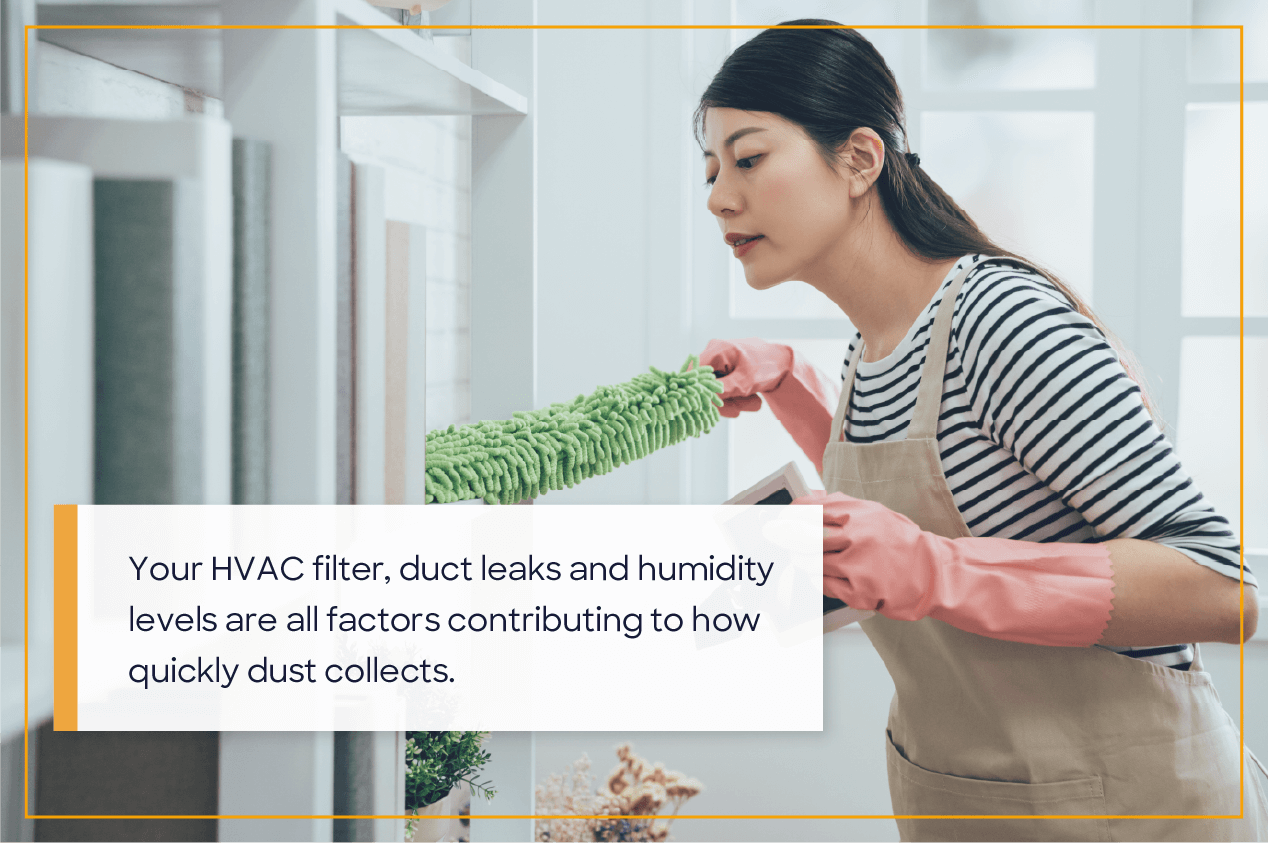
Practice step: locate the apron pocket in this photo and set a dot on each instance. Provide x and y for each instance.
(917, 791)
(1165, 673)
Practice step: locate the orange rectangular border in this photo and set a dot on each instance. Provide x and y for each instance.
(61, 591)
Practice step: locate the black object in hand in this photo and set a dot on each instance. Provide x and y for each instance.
(779, 496)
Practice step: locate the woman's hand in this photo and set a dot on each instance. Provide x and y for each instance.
(748, 367)
(800, 396)
(864, 548)
(1041, 593)
(1051, 593)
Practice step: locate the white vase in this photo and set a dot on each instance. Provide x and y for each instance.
(428, 827)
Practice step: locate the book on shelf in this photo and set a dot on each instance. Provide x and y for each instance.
(406, 363)
(381, 332)
(251, 330)
(147, 336)
(344, 362)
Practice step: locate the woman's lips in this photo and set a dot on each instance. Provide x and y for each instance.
(740, 249)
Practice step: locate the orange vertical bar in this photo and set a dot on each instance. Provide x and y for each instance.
(65, 617)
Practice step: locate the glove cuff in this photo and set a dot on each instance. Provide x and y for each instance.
(803, 402)
(1057, 594)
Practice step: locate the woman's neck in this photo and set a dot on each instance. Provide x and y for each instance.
(878, 283)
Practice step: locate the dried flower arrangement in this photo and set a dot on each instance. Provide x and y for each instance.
(635, 787)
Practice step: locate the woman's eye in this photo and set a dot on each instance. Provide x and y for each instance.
(741, 163)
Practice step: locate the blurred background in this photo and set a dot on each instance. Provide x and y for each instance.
(263, 263)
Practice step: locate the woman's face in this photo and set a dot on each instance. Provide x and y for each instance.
(781, 208)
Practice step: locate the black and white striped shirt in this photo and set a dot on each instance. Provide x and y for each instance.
(1043, 435)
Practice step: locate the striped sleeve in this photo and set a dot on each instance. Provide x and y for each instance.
(1044, 384)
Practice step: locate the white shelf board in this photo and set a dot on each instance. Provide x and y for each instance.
(189, 58)
(388, 71)
(394, 71)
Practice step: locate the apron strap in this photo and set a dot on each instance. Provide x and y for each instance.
(847, 389)
(924, 420)
(924, 424)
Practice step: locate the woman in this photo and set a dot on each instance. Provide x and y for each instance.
(996, 488)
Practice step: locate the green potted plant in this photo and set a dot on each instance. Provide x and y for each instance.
(436, 762)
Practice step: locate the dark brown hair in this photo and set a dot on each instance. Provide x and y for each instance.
(832, 81)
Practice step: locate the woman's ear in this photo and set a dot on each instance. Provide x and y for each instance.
(863, 157)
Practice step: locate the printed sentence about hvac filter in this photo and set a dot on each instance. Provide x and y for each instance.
(312, 619)
(378, 617)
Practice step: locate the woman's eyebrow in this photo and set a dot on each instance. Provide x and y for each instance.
(735, 136)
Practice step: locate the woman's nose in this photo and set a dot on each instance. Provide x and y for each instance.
(722, 199)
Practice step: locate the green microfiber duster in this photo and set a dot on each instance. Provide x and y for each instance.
(558, 446)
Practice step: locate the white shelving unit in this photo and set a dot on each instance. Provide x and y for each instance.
(289, 87)
(385, 70)
(393, 71)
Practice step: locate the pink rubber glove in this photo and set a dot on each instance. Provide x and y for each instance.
(1053, 593)
(801, 397)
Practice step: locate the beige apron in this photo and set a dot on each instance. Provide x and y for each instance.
(980, 726)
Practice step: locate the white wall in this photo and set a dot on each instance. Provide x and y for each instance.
(614, 167)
